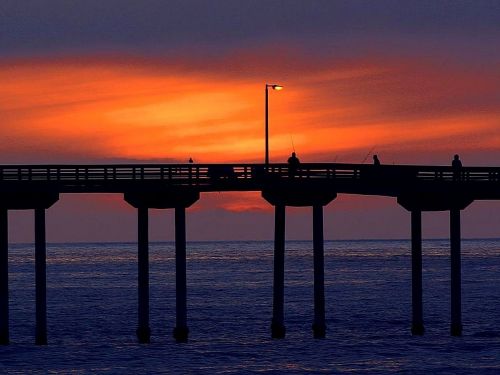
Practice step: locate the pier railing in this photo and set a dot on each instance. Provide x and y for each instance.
(202, 174)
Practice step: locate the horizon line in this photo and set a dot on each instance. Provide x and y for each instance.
(260, 241)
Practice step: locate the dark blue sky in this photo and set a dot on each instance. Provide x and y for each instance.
(155, 26)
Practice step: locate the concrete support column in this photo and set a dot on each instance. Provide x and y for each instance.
(278, 329)
(40, 278)
(4, 278)
(143, 331)
(181, 330)
(417, 326)
(319, 326)
(456, 292)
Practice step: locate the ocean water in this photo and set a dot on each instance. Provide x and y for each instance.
(92, 310)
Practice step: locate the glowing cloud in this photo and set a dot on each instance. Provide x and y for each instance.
(143, 109)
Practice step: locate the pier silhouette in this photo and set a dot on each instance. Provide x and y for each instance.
(178, 186)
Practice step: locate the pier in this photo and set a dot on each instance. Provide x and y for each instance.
(178, 186)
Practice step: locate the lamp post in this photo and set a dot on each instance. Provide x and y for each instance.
(277, 88)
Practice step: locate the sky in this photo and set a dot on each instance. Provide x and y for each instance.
(162, 81)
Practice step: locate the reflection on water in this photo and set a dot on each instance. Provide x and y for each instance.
(92, 310)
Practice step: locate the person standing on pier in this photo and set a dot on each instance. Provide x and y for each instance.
(456, 164)
(190, 161)
(375, 160)
(293, 164)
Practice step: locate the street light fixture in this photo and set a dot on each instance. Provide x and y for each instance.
(277, 88)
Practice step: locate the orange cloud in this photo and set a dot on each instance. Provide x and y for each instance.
(159, 109)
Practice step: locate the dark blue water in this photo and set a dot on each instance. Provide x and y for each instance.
(92, 310)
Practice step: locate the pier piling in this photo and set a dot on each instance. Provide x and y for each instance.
(4, 278)
(179, 200)
(456, 293)
(143, 331)
(278, 329)
(40, 278)
(417, 327)
(181, 330)
(296, 197)
(319, 326)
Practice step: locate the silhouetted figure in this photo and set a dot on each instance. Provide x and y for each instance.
(293, 164)
(294, 160)
(190, 161)
(456, 164)
(375, 160)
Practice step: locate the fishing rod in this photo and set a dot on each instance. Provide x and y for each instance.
(368, 154)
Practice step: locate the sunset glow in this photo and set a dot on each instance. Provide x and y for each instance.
(107, 109)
